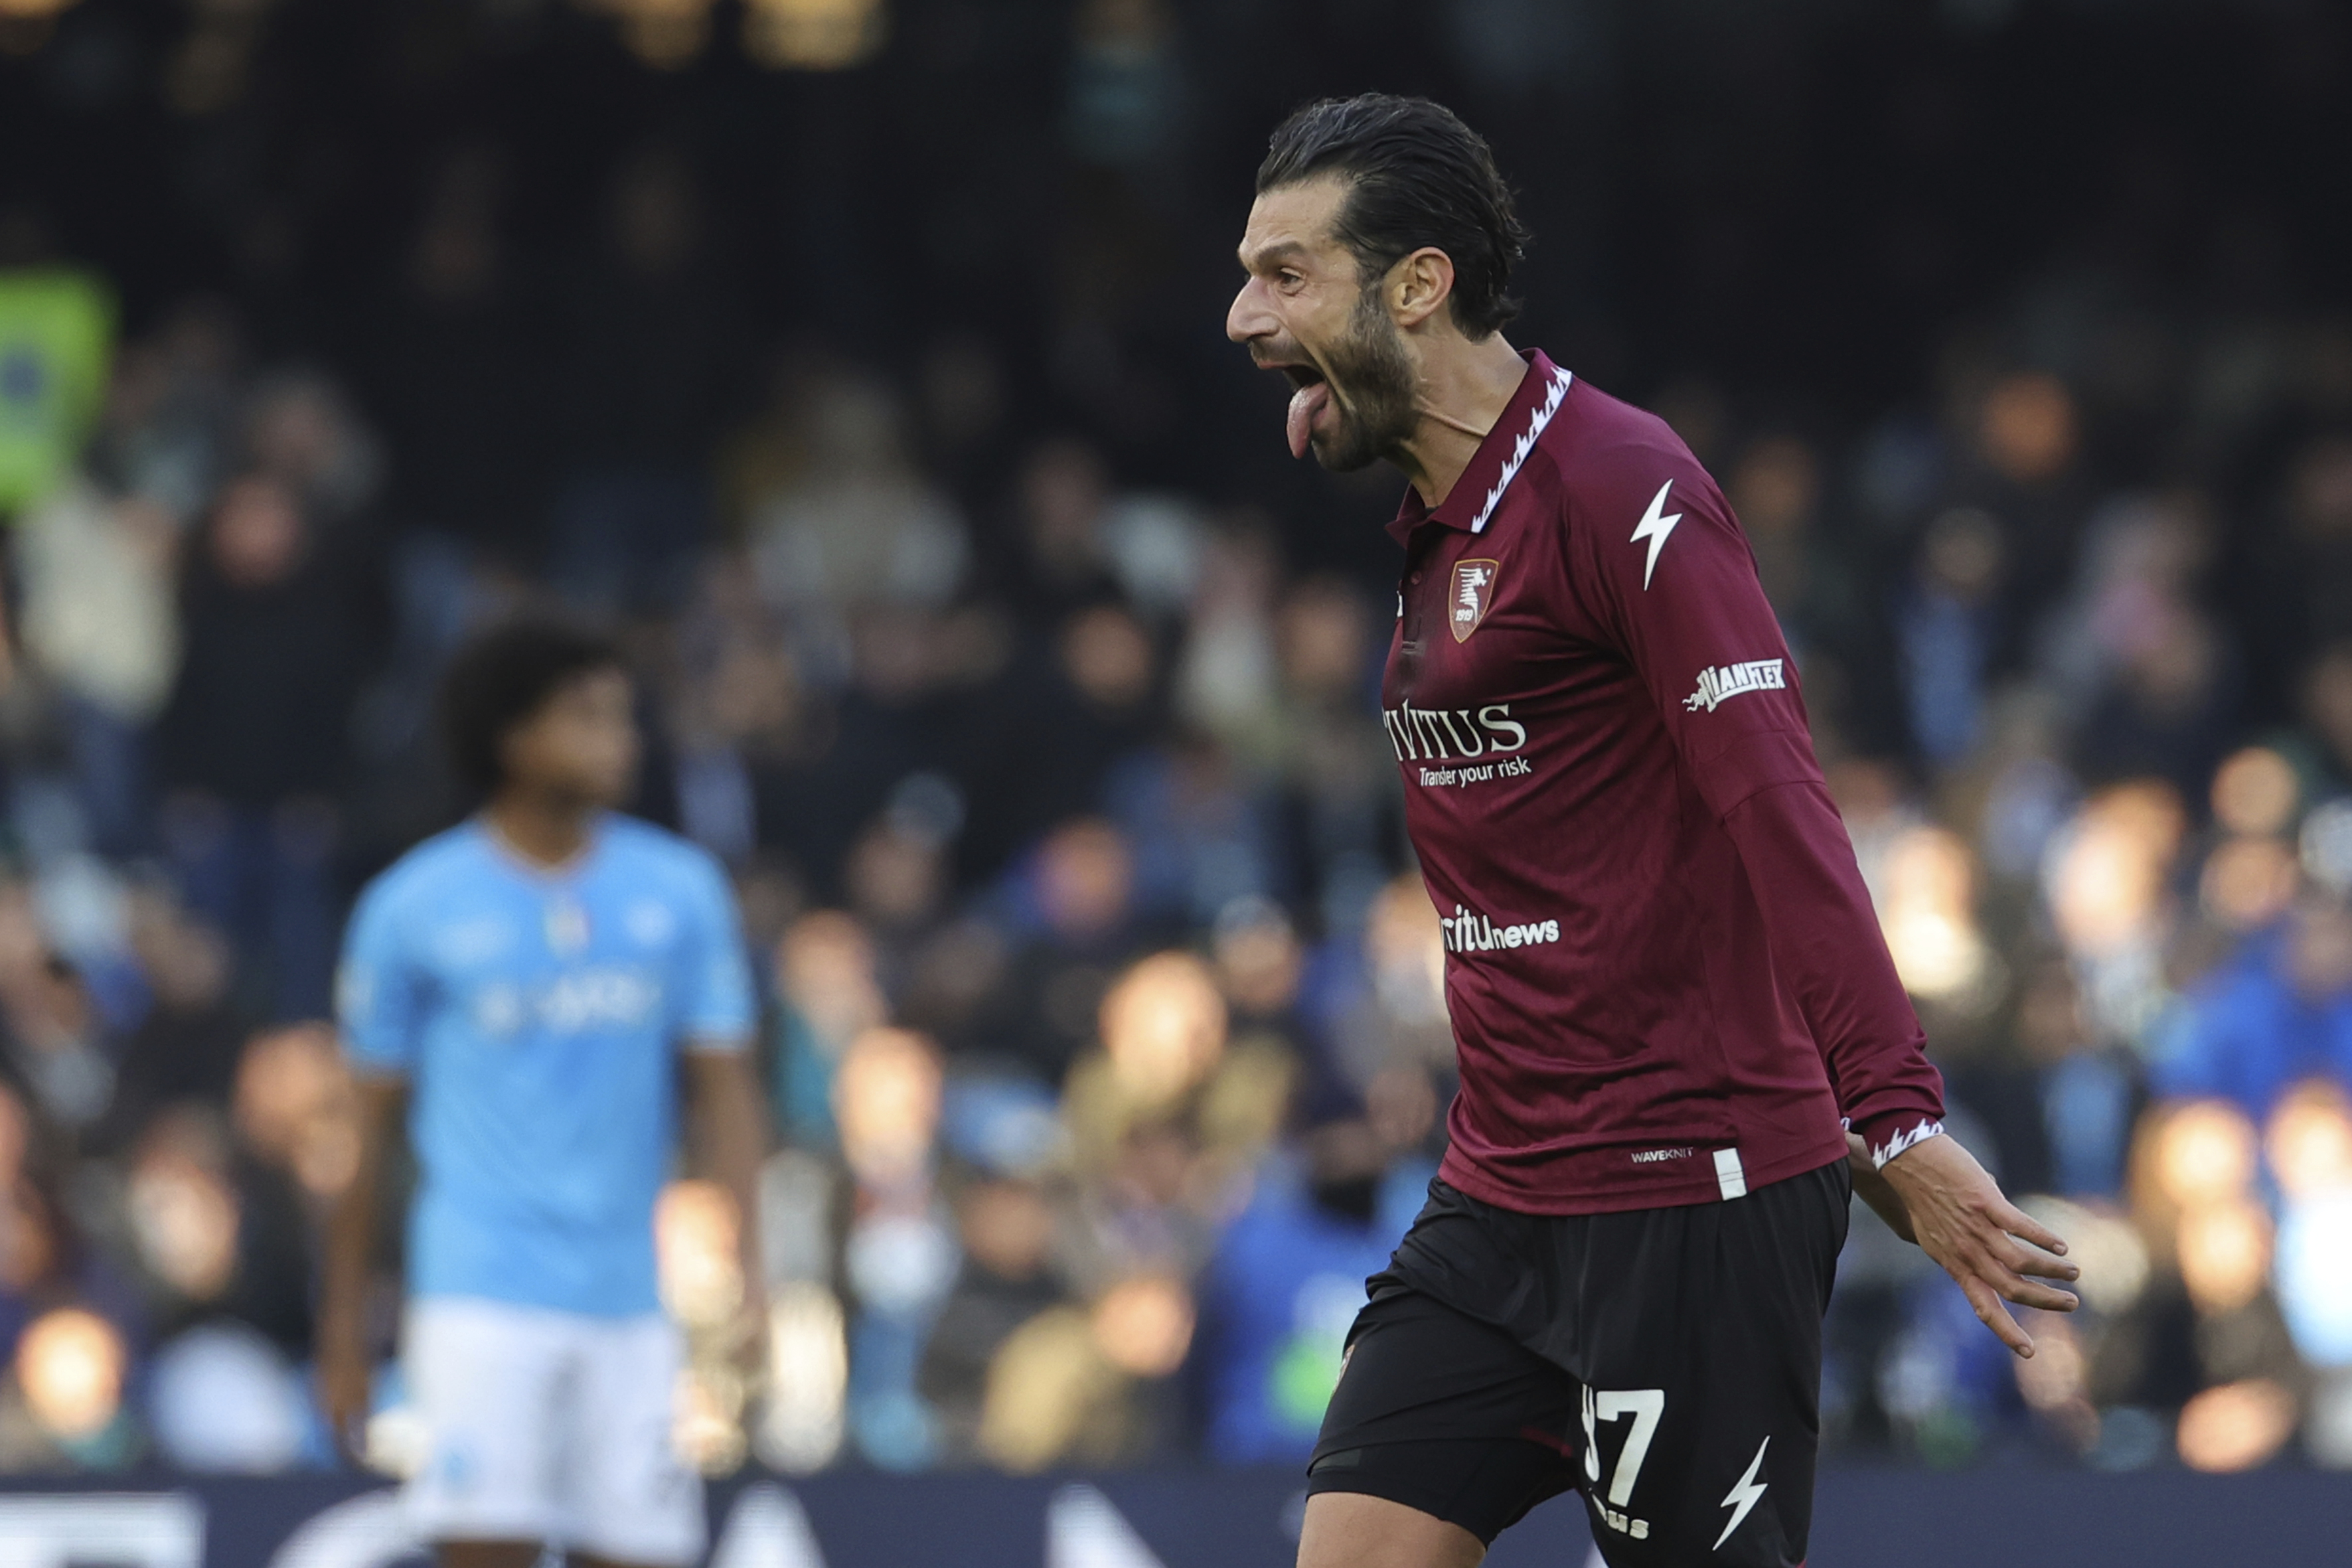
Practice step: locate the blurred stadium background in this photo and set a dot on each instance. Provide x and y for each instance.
(863, 360)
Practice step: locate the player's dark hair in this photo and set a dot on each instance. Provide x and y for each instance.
(1416, 176)
(503, 677)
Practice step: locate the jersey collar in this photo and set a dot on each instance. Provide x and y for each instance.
(546, 877)
(1470, 505)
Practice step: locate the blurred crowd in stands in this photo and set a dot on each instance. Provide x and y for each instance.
(1104, 1031)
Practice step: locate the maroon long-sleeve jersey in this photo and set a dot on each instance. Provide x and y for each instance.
(1666, 982)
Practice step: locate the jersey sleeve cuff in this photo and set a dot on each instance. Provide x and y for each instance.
(1889, 1134)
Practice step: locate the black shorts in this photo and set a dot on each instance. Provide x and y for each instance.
(1666, 1362)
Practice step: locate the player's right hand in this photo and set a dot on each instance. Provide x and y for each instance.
(345, 1391)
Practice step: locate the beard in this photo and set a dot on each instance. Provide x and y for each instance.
(1372, 390)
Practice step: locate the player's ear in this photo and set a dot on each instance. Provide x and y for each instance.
(1419, 285)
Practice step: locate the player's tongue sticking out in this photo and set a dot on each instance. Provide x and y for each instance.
(1305, 404)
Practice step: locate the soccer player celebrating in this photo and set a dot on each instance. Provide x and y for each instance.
(1683, 1044)
(531, 985)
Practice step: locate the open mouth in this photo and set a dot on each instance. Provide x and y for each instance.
(1311, 395)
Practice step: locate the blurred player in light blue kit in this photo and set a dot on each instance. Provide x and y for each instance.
(532, 988)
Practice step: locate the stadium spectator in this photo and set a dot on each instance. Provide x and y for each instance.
(251, 748)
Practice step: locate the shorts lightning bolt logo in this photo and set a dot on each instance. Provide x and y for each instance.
(1743, 1495)
(1655, 527)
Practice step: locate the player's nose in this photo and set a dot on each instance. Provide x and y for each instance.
(1249, 318)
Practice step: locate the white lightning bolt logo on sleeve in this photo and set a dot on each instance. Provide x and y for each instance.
(1654, 527)
(1743, 1495)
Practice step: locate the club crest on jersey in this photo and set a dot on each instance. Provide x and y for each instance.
(1473, 591)
(567, 927)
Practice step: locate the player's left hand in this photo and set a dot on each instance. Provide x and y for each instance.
(1875, 1189)
(1961, 1220)
(752, 1355)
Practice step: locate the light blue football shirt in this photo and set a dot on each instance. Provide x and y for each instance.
(539, 1017)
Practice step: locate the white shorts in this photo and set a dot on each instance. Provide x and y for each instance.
(550, 1426)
